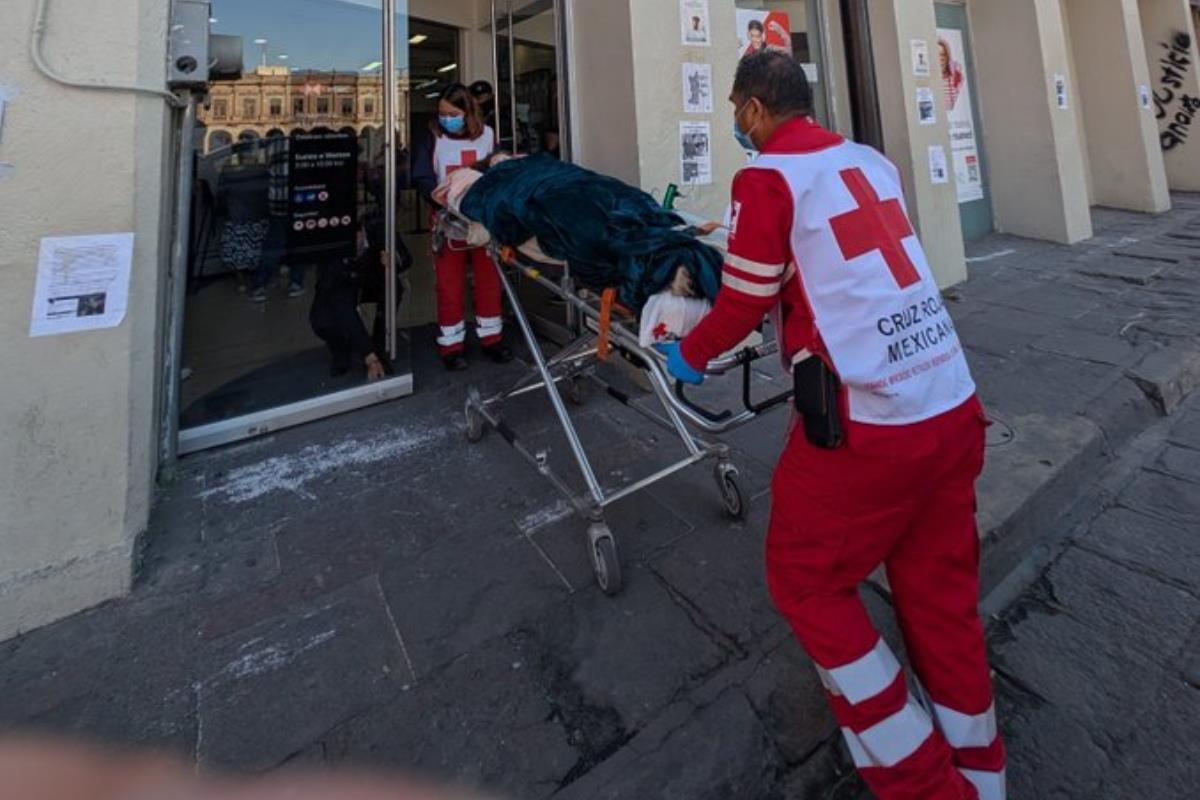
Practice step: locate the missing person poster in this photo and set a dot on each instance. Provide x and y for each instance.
(926, 108)
(763, 30)
(695, 145)
(920, 58)
(693, 18)
(697, 89)
(956, 85)
(1061, 97)
(82, 283)
(939, 172)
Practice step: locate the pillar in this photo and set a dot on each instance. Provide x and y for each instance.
(604, 121)
(78, 411)
(1039, 185)
(1122, 137)
(1169, 30)
(934, 207)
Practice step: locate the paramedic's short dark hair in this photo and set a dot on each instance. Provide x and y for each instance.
(777, 80)
(755, 25)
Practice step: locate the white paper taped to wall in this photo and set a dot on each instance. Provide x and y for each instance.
(82, 283)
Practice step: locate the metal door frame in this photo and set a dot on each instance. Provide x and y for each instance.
(551, 329)
(867, 120)
(562, 25)
(174, 442)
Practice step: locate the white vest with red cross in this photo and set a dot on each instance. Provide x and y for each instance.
(874, 301)
(451, 155)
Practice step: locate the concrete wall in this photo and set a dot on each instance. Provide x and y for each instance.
(1162, 22)
(934, 208)
(604, 114)
(1122, 137)
(1073, 76)
(1039, 172)
(77, 413)
(658, 56)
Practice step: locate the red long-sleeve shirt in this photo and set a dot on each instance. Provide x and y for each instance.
(760, 273)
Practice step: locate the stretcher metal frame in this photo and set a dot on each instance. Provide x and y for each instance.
(576, 363)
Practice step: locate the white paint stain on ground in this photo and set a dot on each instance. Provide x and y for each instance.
(272, 657)
(990, 256)
(295, 471)
(544, 517)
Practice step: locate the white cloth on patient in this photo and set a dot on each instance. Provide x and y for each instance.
(669, 317)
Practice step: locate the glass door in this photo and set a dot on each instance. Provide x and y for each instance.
(531, 116)
(531, 68)
(293, 289)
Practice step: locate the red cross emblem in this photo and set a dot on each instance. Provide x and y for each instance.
(875, 225)
(469, 159)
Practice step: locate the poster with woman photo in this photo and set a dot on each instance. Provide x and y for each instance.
(956, 84)
(763, 30)
(693, 17)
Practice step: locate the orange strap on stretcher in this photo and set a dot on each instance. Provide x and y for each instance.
(608, 305)
(604, 344)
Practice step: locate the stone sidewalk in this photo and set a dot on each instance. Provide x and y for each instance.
(1098, 663)
(372, 590)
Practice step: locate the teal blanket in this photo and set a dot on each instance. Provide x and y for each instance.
(612, 234)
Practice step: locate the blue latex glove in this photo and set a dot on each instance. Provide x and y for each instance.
(678, 366)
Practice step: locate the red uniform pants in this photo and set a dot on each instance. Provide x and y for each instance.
(903, 497)
(451, 267)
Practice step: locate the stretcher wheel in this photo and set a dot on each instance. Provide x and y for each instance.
(606, 564)
(732, 496)
(474, 418)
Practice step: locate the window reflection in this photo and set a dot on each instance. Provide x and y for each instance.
(789, 26)
(285, 281)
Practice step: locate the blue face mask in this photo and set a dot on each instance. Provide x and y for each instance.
(742, 137)
(453, 125)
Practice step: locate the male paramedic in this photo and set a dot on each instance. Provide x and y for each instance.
(882, 457)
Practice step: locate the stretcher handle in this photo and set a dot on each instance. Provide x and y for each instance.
(769, 403)
(711, 416)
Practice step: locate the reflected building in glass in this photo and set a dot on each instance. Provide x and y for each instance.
(277, 101)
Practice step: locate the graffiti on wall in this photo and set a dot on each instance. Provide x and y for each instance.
(1173, 105)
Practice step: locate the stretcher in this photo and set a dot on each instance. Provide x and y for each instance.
(602, 332)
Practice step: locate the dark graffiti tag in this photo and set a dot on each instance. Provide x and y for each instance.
(1170, 101)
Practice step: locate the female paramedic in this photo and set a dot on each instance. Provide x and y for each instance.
(459, 139)
(880, 465)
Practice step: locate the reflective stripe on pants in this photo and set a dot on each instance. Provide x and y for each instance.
(903, 496)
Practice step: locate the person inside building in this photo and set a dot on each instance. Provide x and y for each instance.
(458, 139)
(485, 96)
(881, 460)
(343, 286)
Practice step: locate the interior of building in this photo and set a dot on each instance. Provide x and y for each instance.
(309, 91)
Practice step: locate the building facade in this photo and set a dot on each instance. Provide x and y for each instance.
(274, 101)
(1016, 116)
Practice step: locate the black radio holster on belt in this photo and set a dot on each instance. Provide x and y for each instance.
(818, 399)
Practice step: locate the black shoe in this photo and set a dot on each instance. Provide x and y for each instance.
(455, 362)
(500, 353)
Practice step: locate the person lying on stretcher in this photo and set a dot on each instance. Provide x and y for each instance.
(613, 235)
